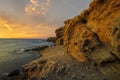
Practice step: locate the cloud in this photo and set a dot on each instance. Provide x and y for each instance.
(37, 7)
(4, 24)
(18, 30)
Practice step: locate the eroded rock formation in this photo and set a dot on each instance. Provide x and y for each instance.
(95, 33)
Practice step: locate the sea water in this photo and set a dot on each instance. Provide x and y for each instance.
(9, 60)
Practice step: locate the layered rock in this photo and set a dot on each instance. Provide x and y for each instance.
(94, 34)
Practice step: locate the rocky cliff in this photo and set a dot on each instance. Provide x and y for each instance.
(95, 33)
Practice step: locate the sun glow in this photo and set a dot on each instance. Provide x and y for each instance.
(16, 30)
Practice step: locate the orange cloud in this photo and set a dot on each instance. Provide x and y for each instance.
(16, 30)
(4, 24)
(36, 7)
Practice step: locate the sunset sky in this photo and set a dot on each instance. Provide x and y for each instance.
(36, 18)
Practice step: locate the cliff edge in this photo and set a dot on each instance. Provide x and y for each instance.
(97, 28)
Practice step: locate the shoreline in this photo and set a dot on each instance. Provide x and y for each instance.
(31, 53)
(15, 53)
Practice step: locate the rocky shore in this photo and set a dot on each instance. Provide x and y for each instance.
(34, 51)
(87, 48)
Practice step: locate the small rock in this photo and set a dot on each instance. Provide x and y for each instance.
(34, 78)
(73, 76)
(87, 68)
(92, 74)
(83, 75)
(14, 73)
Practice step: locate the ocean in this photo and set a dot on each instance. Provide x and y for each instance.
(9, 60)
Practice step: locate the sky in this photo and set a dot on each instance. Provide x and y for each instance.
(36, 18)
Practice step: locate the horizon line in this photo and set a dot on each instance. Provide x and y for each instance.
(23, 38)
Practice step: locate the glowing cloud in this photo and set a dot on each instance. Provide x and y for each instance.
(18, 30)
(37, 7)
(4, 24)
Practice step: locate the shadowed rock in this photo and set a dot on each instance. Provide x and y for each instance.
(51, 39)
(59, 36)
(14, 73)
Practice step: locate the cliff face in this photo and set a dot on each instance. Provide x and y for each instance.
(102, 16)
(95, 33)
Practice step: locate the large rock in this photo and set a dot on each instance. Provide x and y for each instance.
(95, 33)
(81, 40)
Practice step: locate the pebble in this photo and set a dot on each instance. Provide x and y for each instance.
(73, 76)
(92, 74)
(83, 75)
